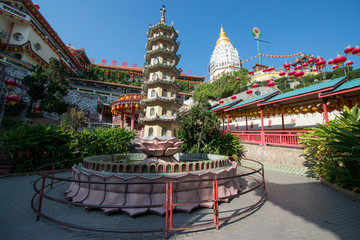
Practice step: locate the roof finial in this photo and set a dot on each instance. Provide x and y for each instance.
(163, 11)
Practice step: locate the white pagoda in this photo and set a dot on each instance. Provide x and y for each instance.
(223, 55)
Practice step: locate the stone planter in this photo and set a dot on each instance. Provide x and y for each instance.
(7, 169)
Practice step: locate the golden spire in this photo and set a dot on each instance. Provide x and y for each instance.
(222, 37)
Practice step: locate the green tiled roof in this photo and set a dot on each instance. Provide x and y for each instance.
(223, 105)
(308, 89)
(346, 85)
(252, 100)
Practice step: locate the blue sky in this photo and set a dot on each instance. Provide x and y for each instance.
(116, 29)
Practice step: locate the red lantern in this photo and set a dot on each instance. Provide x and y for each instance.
(270, 80)
(233, 97)
(298, 67)
(349, 63)
(251, 73)
(318, 59)
(291, 73)
(271, 84)
(286, 65)
(356, 51)
(249, 92)
(10, 83)
(265, 70)
(311, 60)
(190, 86)
(331, 62)
(339, 60)
(282, 74)
(221, 101)
(305, 65)
(131, 76)
(299, 74)
(13, 99)
(118, 74)
(237, 79)
(321, 63)
(335, 67)
(37, 6)
(315, 70)
(36, 108)
(107, 73)
(348, 50)
(255, 86)
(88, 69)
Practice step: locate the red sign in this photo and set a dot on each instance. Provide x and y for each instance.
(237, 126)
(113, 62)
(251, 124)
(135, 65)
(189, 72)
(92, 59)
(293, 120)
(103, 61)
(269, 123)
(124, 64)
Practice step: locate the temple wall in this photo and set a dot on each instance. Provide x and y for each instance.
(285, 156)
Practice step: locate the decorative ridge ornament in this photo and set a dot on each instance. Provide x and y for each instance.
(163, 11)
(222, 37)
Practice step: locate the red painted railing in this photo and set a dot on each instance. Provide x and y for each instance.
(271, 137)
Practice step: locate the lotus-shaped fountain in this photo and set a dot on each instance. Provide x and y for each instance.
(159, 150)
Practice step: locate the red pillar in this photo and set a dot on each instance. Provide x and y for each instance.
(246, 123)
(228, 123)
(122, 119)
(282, 121)
(223, 124)
(262, 127)
(133, 118)
(326, 116)
(10, 33)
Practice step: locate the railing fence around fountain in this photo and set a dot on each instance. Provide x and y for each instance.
(47, 181)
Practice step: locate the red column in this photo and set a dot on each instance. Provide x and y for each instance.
(262, 127)
(133, 118)
(246, 123)
(326, 116)
(282, 121)
(228, 123)
(223, 124)
(10, 33)
(122, 119)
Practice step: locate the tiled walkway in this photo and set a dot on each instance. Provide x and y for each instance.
(296, 207)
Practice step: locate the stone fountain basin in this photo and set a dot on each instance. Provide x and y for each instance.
(150, 193)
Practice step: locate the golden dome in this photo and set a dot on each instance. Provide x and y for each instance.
(222, 37)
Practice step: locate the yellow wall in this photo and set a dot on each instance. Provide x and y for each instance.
(20, 28)
(4, 24)
(45, 52)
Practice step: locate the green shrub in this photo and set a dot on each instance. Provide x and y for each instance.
(102, 141)
(32, 146)
(354, 74)
(333, 149)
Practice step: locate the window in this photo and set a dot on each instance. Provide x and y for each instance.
(156, 61)
(18, 56)
(152, 111)
(164, 76)
(174, 133)
(165, 61)
(164, 93)
(163, 132)
(153, 93)
(37, 46)
(18, 36)
(165, 46)
(151, 132)
(154, 76)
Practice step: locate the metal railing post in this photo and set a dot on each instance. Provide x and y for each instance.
(167, 212)
(52, 175)
(40, 199)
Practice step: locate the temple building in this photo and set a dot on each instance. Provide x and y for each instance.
(223, 55)
(27, 39)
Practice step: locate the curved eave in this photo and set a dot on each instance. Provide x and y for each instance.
(160, 26)
(161, 38)
(161, 52)
(161, 67)
(162, 83)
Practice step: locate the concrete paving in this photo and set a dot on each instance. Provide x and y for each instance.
(296, 207)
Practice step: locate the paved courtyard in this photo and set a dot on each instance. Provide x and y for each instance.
(296, 207)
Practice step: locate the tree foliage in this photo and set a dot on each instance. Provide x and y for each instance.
(48, 87)
(73, 120)
(224, 86)
(200, 132)
(333, 149)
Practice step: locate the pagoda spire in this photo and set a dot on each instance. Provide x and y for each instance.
(222, 37)
(163, 11)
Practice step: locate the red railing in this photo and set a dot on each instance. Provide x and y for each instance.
(44, 184)
(271, 137)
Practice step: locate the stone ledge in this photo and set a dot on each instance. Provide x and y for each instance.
(340, 189)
